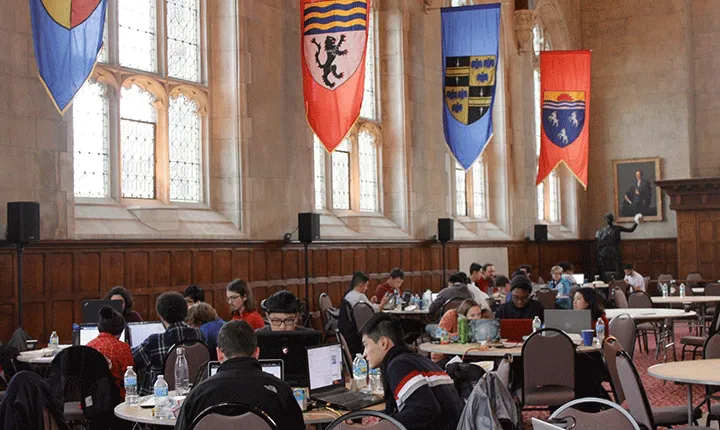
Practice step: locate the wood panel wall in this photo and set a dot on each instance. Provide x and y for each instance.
(59, 275)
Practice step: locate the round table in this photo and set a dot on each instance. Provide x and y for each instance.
(650, 314)
(37, 356)
(687, 299)
(703, 372)
(404, 312)
(493, 351)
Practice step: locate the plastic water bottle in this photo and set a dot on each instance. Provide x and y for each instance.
(54, 342)
(360, 371)
(418, 302)
(536, 324)
(182, 374)
(131, 395)
(376, 385)
(664, 290)
(600, 330)
(682, 290)
(162, 399)
(427, 298)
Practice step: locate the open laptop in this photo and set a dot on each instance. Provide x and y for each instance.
(434, 296)
(88, 332)
(579, 278)
(514, 330)
(91, 309)
(568, 321)
(327, 384)
(289, 346)
(542, 425)
(273, 367)
(139, 331)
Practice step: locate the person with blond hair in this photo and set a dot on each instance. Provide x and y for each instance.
(202, 316)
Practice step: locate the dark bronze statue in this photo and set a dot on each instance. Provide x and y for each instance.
(608, 246)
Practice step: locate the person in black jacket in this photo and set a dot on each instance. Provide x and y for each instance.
(417, 392)
(521, 305)
(240, 379)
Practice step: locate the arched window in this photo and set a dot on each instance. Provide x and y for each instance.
(152, 109)
(479, 189)
(460, 190)
(353, 167)
(471, 190)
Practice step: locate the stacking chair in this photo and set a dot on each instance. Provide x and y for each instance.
(698, 342)
(639, 299)
(665, 278)
(546, 297)
(544, 382)
(692, 279)
(651, 418)
(612, 416)
(611, 347)
(619, 298)
(386, 421)
(711, 289)
(328, 315)
(622, 328)
(451, 304)
(711, 349)
(197, 356)
(362, 312)
(622, 285)
(233, 415)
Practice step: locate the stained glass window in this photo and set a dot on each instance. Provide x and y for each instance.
(183, 39)
(479, 190)
(341, 176)
(553, 197)
(460, 191)
(319, 155)
(541, 201)
(137, 143)
(137, 34)
(185, 143)
(368, 109)
(368, 172)
(90, 137)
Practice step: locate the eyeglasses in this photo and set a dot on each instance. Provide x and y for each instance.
(286, 321)
(521, 298)
(233, 298)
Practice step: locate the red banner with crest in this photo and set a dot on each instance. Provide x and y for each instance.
(334, 40)
(565, 112)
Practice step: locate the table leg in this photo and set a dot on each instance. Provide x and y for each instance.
(690, 404)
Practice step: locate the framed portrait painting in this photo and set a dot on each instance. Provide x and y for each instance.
(635, 189)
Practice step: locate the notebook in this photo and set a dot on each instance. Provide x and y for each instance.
(514, 330)
(327, 384)
(139, 331)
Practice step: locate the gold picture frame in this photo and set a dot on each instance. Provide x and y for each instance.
(637, 194)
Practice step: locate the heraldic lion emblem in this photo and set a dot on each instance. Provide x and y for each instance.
(332, 51)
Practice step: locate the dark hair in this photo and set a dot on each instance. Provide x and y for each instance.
(237, 339)
(282, 302)
(519, 272)
(522, 282)
(527, 267)
(397, 273)
(194, 292)
(127, 298)
(475, 268)
(628, 266)
(487, 265)
(501, 280)
(358, 278)
(110, 321)
(200, 313)
(595, 302)
(458, 278)
(384, 325)
(566, 265)
(241, 287)
(171, 307)
(466, 305)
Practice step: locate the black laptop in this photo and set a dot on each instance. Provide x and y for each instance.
(327, 384)
(290, 347)
(91, 309)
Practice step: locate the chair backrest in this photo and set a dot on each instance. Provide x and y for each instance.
(387, 422)
(233, 415)
(362, 312)
(633, 390)
(546, 297)
(665, 278)
(453, 303)
(197, 355)
(504, 370)
(640, 299)
(541, 353)
(646, 281)
(347, 355)
(693, 279)
(711, 347)
(712, 289)
(620, 299)
(653, 288)
(624, 287)
(611, 416)
(611, 347)
(622, 328)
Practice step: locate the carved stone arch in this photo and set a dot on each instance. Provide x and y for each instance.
(548, 14)
(193, 93)
(153, 86)
(106, 77)
(373, 129)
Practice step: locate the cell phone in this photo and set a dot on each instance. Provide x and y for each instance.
(148, 404)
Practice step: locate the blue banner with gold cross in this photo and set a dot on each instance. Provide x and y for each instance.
(470, 37)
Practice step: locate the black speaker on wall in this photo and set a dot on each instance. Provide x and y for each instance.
(308, 227)
(446, 232)
(541, 234)
(23, 222)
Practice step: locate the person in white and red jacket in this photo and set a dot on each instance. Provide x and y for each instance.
(417, 392)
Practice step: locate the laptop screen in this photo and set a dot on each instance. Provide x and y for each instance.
(579, 278)
(273, 367)
(433, 296)
(213, 367)
(325, 366)
(90, 332)
(141, 331)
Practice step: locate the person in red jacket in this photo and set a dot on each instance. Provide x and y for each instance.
(118, 354)
(397, 276)
(242, 304)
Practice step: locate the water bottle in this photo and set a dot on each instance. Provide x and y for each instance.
(182, 374)
(375, 380)
(664, 290)
(600, 330)
(536, 324)
(427, 298)
(360, 371)
(131, 395)
(54, 342)
(682, 290)
(418, 302)
(463, 335)
(162, 401)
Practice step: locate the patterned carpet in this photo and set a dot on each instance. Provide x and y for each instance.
(659, 393)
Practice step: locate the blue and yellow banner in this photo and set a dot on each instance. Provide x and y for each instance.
(470, 37)
(68, 36)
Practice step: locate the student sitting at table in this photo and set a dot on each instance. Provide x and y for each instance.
(588, 298)
(203, 317)
(122, 294)
(111, 325)
(417, 392)
(392, 285)
(150, 355)
(470, 309)
(283, 310)
(193, 294)
(457, 289)
(240, 298)
(562, 286)
(240, 379)
(520, 306)
(502, 283)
